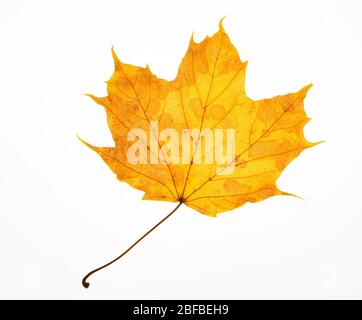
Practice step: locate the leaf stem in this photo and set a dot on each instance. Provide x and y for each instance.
(85, 283)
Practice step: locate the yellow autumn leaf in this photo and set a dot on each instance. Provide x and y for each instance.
(200, 140)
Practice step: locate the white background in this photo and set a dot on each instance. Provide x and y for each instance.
(63, 212)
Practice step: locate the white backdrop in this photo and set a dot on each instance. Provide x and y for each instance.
(63, 212)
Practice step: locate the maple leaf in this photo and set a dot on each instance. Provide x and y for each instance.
(208, 93)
